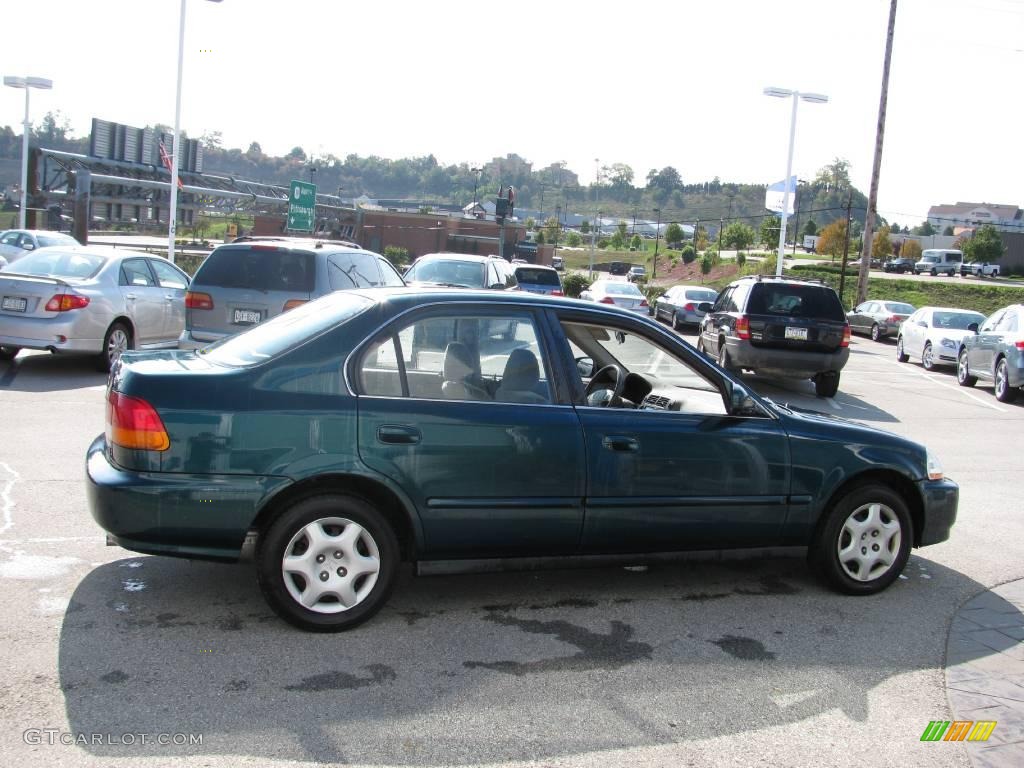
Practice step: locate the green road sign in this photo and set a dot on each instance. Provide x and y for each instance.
(301, 206)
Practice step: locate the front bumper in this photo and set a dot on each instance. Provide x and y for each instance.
(205, 517)
(785, 363)
(940, 499)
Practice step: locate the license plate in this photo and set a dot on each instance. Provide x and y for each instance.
(249, 316)
(799, 334)
(15, 304)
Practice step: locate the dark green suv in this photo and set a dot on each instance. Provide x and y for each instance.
(782, 327)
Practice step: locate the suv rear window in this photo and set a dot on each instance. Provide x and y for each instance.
(537, 276)
(264, 268)
(795, 301)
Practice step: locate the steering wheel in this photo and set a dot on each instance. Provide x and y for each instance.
(605, 388)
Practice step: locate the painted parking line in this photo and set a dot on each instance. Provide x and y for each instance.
(957, 388)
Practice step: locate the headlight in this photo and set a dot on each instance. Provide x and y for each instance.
(934, 467)
(950, 343)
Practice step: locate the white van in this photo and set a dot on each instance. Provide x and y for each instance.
(936, 260)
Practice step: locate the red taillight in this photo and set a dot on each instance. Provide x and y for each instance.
(846, 336)
(293, 303)
(689, 306)
(196, 300)
(894, 319)
(134, 423)
(1019, 344)
(557, 293)
(643, 303)
(62, 302)
(607, 300)
(743, 327)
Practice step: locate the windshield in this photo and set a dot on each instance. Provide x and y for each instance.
(455, 273)
(537, 276)
(956, 320)
(51, 262)
(286, 331)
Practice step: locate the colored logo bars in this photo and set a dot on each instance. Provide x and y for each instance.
(958, 730)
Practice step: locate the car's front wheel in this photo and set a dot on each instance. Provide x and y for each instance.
(864, 542)
(963, 371)
(927, 360)
(1004, 392)
(328, 563)
(9, 353)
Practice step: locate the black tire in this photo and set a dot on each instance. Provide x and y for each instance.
(901, 356)
(675, 321)
(9, 353)
(826, 384)
(934, 273)
(286, 533)
(1004, 392)
(831, 537)
(963, 371)
(952, 273)
(723, 356)
(700, 344)
(876, 334)
(110, 353)
(926, 357)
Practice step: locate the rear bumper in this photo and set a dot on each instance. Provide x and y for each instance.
(785, 363)
(940, 498)
(204, 517)
(82, 334)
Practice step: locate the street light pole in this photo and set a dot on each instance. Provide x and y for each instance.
(172, 223)
(476, 182)
(27, 83)
(814, 98)
(657, 236)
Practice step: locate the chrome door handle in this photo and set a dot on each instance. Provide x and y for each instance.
(621, 443)
(130, 296)
(398, 434)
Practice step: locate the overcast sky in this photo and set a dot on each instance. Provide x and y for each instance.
(649, 84)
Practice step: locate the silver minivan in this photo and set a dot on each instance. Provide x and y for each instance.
(936, 260)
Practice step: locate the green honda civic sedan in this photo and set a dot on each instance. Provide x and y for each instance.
(463, 430)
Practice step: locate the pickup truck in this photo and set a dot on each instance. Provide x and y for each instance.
(979, 270)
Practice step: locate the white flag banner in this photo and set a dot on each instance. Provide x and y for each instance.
(773, 196)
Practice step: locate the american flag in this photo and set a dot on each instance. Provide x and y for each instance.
(166, 160)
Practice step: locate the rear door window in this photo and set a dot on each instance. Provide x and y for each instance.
(353, 270)
(260, 268)
(136, 272)
(167, 275)
(795, 301)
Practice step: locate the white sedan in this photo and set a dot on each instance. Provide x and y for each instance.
(934, 333)
(625, 295)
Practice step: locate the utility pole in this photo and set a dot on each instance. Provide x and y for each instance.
(657, 235)
(796, 215)
(721, 226)
(869, 219)
(593, 235)
(846, 245)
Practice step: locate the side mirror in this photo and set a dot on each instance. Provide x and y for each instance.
(705, 306)
(585, 367)
(28, 247)
(973, 328)
(741, 403)
(922, 323)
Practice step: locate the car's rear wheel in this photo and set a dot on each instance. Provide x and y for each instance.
(952, 273)
(963, 371)
(1004, 392)
(675, 321)
(926, 357)
(826, 384)
(117, 340)
(864, 541)
(876, 332)
(901, 356)
(700, 344)
(9, 353)
(723, 356)
(934, 272)
(328, 563)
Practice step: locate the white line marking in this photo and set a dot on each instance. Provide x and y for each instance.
(7, 499)
(957, 388)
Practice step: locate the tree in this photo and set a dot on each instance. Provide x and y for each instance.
(738, 236)
(985, 245)
(832, 239)
(673, 234)
(539, 239)
(636, 243)
(619, 175)
(530, 223)
(835, 175)
(770, 230)
(212, 139)
(617, 242)
(925, 229)
(573, 240)
(810, 228)
(706, 263)
(700, 238)
(689, 255)
(881, 245)
(911, 249)
(255, 150)
(297, 153)
(585, 227)
(665, 180)
(551, 229)
(621, 227)
(894, 229)
(948, 231)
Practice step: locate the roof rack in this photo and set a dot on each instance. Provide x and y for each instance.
(759, 278)
(319, 242)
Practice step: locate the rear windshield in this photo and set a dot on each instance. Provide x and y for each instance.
(456, 273)
(45, 241)
(700, 294)
(895, 306)
(287, 330)
(537, 276)
(796, 301)
(622, 289)
(56, 263)
(263, 268)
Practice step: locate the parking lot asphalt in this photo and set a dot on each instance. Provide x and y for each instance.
(694, 663)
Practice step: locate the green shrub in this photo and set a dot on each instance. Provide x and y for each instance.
(574, 284)
(689, 255)
(741, 258)
(398, 256)
(602, 243)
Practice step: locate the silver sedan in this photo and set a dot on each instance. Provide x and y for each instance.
(90, 300)
(625, 295)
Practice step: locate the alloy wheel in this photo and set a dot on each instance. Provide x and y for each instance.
(117, 343)
(875, 334)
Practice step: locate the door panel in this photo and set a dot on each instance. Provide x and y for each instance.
(173, 286)
(665, 481)
(144, 300)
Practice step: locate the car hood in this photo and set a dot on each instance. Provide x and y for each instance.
(803, 422)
